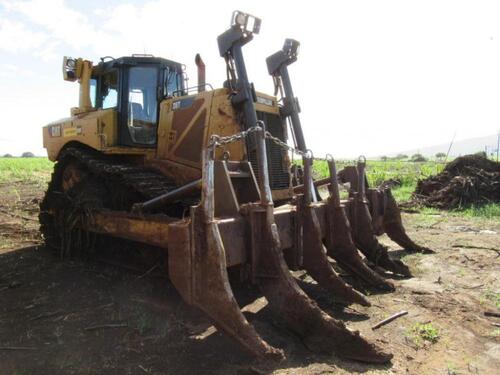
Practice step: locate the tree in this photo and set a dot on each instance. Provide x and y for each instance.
(401, 156)
(28, 154)
(418, 158)
(383, 158)
(7, 156)
(440, 155)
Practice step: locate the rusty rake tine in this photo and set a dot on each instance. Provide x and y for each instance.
(339, 241)
(319, 331)
(364, 236)
(315, 259)
(393, 225)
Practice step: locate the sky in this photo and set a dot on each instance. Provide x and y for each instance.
(372, 77)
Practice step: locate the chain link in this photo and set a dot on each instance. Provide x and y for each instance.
(218, 141)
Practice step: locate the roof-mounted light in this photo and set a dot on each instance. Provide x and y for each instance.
(291, 48)
(70, 67)
(245, 22)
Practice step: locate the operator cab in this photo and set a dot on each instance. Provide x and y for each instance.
(135, 86)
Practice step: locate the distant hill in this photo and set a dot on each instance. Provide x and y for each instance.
(462, 147)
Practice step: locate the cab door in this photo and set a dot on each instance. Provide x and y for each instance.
(138, 108)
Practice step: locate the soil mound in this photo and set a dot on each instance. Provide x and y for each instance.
(467, 180)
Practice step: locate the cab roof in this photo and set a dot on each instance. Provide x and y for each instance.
(109, 62)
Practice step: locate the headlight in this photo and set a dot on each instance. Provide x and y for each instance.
(69, 68)
(246, 22)
(291, 47)
(55, 130)
(71, 63)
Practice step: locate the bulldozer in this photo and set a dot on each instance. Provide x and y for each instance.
(203, 176)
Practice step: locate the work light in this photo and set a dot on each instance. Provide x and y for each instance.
(246, 22)
(69, 68)
(291, 47)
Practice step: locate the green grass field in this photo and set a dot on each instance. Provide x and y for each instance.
(32, 170)
(408, 173)
(38, 170)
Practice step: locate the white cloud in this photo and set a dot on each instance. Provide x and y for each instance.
(58, 19)
(49, 52)
(372, 76)
(15, 37)
(7, 70)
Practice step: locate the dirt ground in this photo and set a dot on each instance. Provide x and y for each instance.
(88, 317)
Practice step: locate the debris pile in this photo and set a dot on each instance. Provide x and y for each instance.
(467, 180)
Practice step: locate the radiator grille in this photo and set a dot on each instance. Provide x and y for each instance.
(279, 177)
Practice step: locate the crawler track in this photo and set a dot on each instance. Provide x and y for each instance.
(104, 183)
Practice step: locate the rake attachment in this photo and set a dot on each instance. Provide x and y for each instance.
(197, 247)
(384, 211)
(362, 229)
(339, 239)
(215, 236)
(201, 248)
(314, 255)
(301, 314)
(393, 224)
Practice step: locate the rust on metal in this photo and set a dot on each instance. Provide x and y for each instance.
(203, 191)
(163, 199)
(315, 260)
(207, 285)
(393, 225)
(363, 233)
(153, 231)
(200, 64)
(318, 330)
(384, 211)
(339, 239)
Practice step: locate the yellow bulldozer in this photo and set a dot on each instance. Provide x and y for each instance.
(203, 176)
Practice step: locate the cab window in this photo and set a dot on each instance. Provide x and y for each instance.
(143, 104)
(173, 83)
(108, 90)
(93, 91)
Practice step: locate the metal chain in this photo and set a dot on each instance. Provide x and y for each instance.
(218, 141)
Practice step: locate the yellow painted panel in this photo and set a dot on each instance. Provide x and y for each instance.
(97, 129)
(70, 132)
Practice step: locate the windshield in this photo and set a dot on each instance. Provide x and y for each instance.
(143, 104)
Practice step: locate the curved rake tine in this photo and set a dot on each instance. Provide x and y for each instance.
(215, 296)
(363, 234)
(315, 260)
(376, 201)
(197, 248)
(339, 240)
(393, 225)
(318, 330)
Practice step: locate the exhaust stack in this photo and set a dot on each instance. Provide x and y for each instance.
(201, 72)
